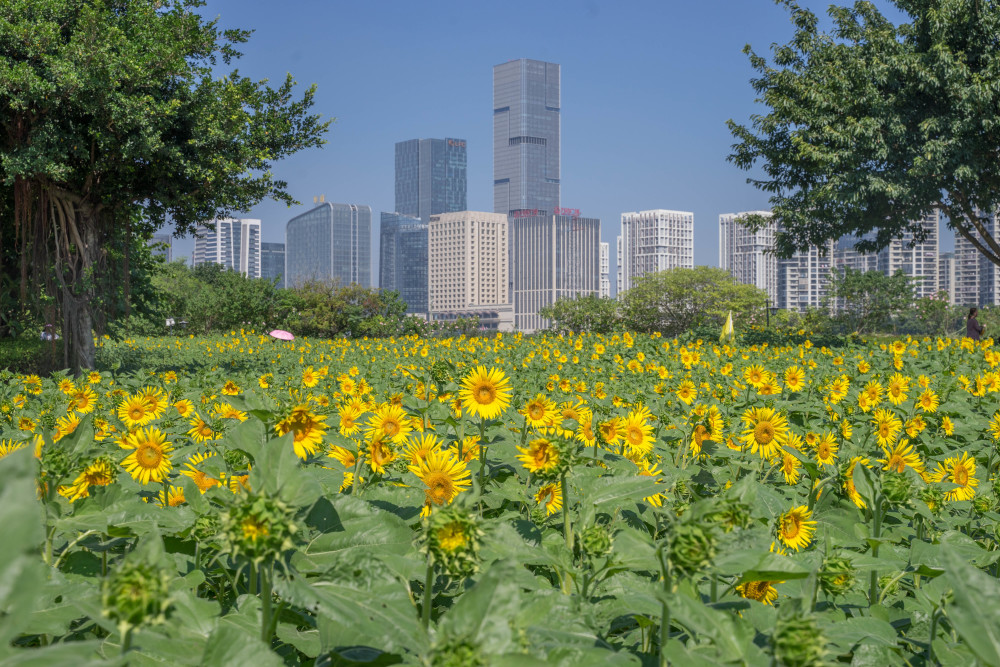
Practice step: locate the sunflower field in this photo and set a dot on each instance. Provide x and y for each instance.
(577, 500)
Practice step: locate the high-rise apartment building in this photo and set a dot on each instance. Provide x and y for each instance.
(162, 245)
(403, 259)
(919, 261)
(468, 272)
(552, 257)
(430, 177)
(618, 268)
(946, 275)
(526, 137)
(332, 242)
(234, 244)
(977, 279)
(655, 240)
(746, 254)
(605, 270)
(272, 262)
(804, 278)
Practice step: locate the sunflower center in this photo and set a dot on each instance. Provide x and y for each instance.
(763, 433)
(484, 394)
(440, 488)
(536, 411)
(883, 430)
(961, 476)
(136, 412)
(390, 427)
(451, 537)
(635, 435)
(790, 528)
(149, 456)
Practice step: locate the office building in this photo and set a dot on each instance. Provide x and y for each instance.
(977, 279)
(330, 243)
(526, 137)
(232, 243)
(946, 275)
(605, 270)
(403, 259)
(552, 257)
(272, 262)
(747, 254)
(468, 272)
(653, 241)
(162, 245)
(430, 177)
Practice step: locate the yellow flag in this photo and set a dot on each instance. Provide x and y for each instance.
(727, 330)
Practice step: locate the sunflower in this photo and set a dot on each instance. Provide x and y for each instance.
(887, 426)
(928, 401)
(638, 434)
(790, 468)
(307, 428)
(948, 427)
(959, 470)
(420, 447)
(349, 414)
(914, 426)
(227, 411)
(761, 591)
(485, 393)
(172, 499)
(184, 407)
(156, 401)
(795, 378)
(849, 487)
(66, 386)
(686, 392)
(826, 449)
(838, 389)
(98, 473)
(539, 412)
(310, 378)
(539, 456)
(995, 426)
(231, 388)
(26, 424)
(765, 431)
(611, 431)
(380, 454)
(901, 456)
(345, 456)
(551, 496)
(201, 430)
(795, 527)
(83, 400)
(389, 421)
(585, 429)
(134, 412)
(443, 474)
(265, 380)
(708, 428)
(94, 377)
(647, 469)
(150, 458)
(898, 386)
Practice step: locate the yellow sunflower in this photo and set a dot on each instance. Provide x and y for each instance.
(389, 421)
(539, 456)
(172, 499)
(795, 378)
(686, 392)
(201, 430)
(485, 393)
(308, 429)
(150, 458)
(826, 449)
(638, 434)
(83, 400)
(98, 473)
(790, 468)
(796, 527)
(420, 447)
(539, 412)
(849, 487)
(764, 432)
(231, 388)
(928, 401)
(310, 378)
(443, 475)
(380, 454)
(898, 386)
(761, 591)
(184, 407)
(887, 426)
(551, 496)
(901, 456)
(202, 480)
(959, 470)
(134, 411)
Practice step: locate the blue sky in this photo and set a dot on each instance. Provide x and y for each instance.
(646, 90)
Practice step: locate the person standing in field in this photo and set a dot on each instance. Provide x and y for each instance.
(973, 329)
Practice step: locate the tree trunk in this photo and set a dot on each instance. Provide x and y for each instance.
(77, 226)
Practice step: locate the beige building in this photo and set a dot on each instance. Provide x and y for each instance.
(468, 274)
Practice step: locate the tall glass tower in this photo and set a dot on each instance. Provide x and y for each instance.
(430, 177)
(332, 242)
(526, 136)
(403, 259)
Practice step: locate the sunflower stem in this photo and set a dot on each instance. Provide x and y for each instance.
(567, 528)
(876, 535)
(425, 612)
(482, 454)
(357, 469)
(930, 640)
(265, 599)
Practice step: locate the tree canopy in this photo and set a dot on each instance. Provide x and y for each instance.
(872, 125)
(117, 119)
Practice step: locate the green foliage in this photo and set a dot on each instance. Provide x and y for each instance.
(871, 126)
(325, 309)
(868, 301)
(584, 313)
(674, 301)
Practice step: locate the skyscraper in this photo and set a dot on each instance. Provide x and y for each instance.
(468, 272)
(403, 259)
(272, 262)
(430, 177)
(551, 257)
(746, 254)
(804, 278)
(946, 275)
(655, 240)
(332, 242)
(977, 279)
(605, 270)
(234, 244)
(526, 137)
(162, 245)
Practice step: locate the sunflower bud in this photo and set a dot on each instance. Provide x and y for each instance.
(798, 642)
(933, 497)
(259, 528)
(889, 583)
(692, 549)
(836, 576)
(595, 541)
(730, 515)
(982, 504)
(898, 488)
(205, 528)
(136, 593)
(457, 653)
(452, 536)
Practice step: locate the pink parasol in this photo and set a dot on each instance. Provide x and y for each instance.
(282, 335)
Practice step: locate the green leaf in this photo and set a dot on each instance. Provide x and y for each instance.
(774, 567)
(484, 615)
(974, 613)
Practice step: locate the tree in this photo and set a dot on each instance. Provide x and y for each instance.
(116, 121)
(868, 301)
(584, 313)
(872, 126)
(678, 300)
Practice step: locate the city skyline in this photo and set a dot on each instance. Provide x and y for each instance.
(639, 131)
